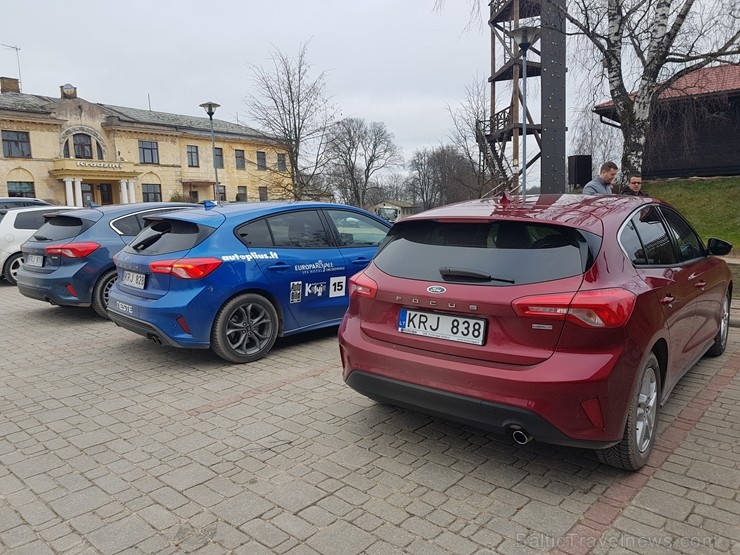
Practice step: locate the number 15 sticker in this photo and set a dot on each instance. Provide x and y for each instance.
(337, 286)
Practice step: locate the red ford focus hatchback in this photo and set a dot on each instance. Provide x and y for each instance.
(566, 319)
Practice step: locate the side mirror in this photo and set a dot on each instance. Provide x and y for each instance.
(718, 247)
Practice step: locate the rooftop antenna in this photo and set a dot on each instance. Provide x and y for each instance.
(18, 58)
(149, 99)
(237, 118)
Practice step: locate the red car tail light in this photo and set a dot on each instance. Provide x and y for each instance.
(186, 268)
(601, 308)
(73, 250)
(362, 286)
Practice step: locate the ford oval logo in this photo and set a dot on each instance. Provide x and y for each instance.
(436, 290)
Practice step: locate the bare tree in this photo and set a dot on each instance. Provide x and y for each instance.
(393, 186)
(644, 46)
(358, 151)
(473, 108)
(422, 183)
(292, 106)
(590, 136)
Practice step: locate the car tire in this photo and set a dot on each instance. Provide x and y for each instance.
(12, 265)
(642, 422)
(244, 329)
(720, 341)
(101, 292)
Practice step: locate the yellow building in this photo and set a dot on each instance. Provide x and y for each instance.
(72, 151)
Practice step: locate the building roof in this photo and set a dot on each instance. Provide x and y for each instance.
(704, 81)
(149, 117)
(44, 105)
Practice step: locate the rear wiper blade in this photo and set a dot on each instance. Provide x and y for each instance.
(148, 241)
(41, 238)
(449, 272)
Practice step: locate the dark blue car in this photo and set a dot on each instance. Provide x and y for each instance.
(235, 277)
(69, 260)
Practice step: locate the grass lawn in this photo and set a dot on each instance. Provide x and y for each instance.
(711, 205)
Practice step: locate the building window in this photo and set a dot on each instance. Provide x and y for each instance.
(218, 157)
(106, 193)
(100, 151)
(241, 162)
(282, 166)
(21, 189)
(261, 161)
(263, 194)
(221, 192)
(151, 192)
(148, 152)
(241, 194)
(83, 146)
(16, 144)
(193, 161)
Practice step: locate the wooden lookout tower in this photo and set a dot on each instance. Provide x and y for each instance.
(501, 137)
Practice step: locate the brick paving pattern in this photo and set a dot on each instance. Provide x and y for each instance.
(110, 444)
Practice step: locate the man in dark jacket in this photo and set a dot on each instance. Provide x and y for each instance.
(633, 186)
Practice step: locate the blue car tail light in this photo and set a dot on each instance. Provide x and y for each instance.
(74, 250)
(186, 268)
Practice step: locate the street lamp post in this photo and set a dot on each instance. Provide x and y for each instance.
(210, 108)
(524, 36)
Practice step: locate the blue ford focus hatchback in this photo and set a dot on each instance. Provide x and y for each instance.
(69, 260)
(235, 277)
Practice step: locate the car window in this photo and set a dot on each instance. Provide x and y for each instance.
(298, 230)
(128, 225)
(357, 230)
(630, 241)
(690, 246)
(62, 227)
(255, 234)
(133, 223)
(31, 220)
(656, 245)
(166, 236)
(490, 253)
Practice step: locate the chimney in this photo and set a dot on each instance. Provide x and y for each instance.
(9, 84)
(68, 91)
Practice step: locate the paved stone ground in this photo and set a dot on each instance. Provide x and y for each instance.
(110, 444)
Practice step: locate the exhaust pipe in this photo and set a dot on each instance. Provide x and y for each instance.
(520, 435)
(154, 338)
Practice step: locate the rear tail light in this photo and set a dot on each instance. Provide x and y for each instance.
(602, 308)
(186, 268)
(73, 250)
(362, 286)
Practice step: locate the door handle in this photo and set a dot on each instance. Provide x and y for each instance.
(358, 261)
(279, 267)
(700, 284)
(668, 299)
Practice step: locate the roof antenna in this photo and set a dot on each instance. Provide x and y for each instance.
(149, 99)
(18, 58)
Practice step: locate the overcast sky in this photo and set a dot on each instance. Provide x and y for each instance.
(396, 61)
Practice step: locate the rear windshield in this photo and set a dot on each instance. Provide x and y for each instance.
(166, 236)
(491, 253)
(60, 228)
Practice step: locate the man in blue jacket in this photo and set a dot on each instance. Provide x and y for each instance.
(602, 183)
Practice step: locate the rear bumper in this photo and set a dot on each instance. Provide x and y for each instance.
(52, 286)
(554, 400)
(486, 415)
(149, 330)
(53, 291)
